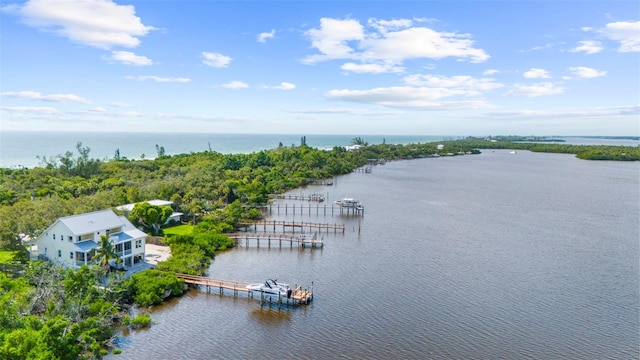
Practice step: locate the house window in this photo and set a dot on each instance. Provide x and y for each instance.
(54, 236)
(59, 253)
(70, 238)
(61, 237)
(138, 243)
(71, 255)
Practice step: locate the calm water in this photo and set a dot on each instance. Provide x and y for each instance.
(22, 148)
(492, 256)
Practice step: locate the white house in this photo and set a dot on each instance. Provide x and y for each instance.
(352, 147)
(175, 216)
(72, 241)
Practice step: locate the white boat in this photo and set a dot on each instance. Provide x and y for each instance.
(349, 203)
(271, 287)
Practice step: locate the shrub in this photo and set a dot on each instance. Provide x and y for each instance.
(141, 321)
(152, 286)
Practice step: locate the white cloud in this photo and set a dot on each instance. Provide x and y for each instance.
(216, 60)
(539, 47)
(580, 113)
(159, 79)
(469, 85)
(34, 95)
(332, 38)
(384, 26)
(129, 58)
(408, 97)
(372, 68)
(98, 23)
(491, 72)
(588, 46)
(285, 86)
(421, 42)
(424, 92)
(235, 85)
(43, 110)
(98, 110)
(625, 32)
(120, 104)
(326, 111)
(586, 72)
(535, 73)
(535, 90)
(262, 37)
(386, 44)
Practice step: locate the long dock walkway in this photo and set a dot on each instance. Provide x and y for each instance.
(311, 209)
(302, 197)
(299, 240)
(327, 182)
(299, 296)
(292, 225)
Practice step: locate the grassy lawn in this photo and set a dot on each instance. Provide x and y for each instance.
(179, 230)
(6, 256)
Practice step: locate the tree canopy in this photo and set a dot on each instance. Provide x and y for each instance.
(150, 217)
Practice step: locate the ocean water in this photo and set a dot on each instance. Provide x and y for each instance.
(22, 149)
(490, 256)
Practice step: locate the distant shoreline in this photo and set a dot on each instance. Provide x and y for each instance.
(21, 149)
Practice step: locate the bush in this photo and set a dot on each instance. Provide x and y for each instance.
(151, 287)
(141, 321)
(186, 258)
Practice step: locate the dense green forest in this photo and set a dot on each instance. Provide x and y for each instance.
(51, 313)
(585, 152)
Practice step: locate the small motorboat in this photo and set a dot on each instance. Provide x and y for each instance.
(349, 203)
(271, 287)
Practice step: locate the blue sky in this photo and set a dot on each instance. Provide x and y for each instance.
(322, 67)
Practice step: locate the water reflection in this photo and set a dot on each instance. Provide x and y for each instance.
(271, 317)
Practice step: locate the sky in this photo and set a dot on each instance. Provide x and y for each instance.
(321, 67)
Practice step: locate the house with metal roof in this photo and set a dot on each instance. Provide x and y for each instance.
(72, 241)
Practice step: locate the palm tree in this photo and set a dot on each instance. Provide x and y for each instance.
(105, 253)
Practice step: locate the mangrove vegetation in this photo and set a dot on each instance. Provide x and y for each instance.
(53, 313)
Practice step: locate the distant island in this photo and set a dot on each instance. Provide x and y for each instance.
(611, 137)
(584, 152)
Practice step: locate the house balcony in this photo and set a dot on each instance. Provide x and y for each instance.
(124, 253)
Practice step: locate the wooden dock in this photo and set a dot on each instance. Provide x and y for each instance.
(326, 182)
(302, 197)
(300, 240)
(299, 296)
(310, 209)
(364, 169)
(292, 225)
